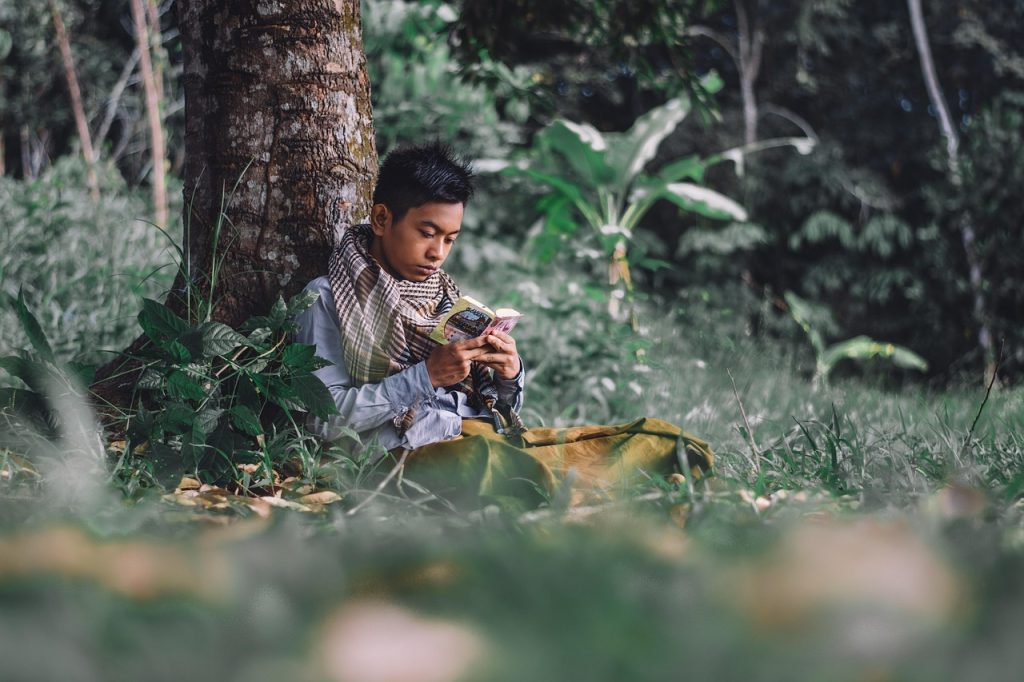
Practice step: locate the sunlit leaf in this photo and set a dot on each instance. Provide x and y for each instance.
(302, 301)
(219, 339)
(580, 145)
(704, 201)
(864, 348)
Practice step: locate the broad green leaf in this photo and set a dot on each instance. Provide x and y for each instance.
(259, 337)
(150, 379)
(314, 395)
(630, 152)
(159, 322)
(864, 348)
(219, 339)
(689, 168)
(176, 418)
(31, 327)
(298, 356)
(179, 353)
(703, 201)
(278, 313)
(208, 418)
(180, 385)
(302, 301)
(245, 420)
(580, 145)
(282, 394)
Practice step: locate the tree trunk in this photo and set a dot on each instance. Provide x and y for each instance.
(967, 236)
(81, 123)
(156, 127)
(278, 132)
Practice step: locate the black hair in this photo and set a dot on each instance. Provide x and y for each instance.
(413, 176)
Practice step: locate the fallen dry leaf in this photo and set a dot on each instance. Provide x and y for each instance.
(188, 483)
(323, 497)
(282, 503)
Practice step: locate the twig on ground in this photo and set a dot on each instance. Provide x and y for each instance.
(750, 433)
(380, 487)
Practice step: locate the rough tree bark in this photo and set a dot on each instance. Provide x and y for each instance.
(277, 108)
(967, 236)
(81, 122)
(154, 93)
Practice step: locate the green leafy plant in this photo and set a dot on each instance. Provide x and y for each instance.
(859, 348)
(599, 180)
(212, 398)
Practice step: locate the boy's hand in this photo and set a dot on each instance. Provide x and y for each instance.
(449, 363)
(502, 356)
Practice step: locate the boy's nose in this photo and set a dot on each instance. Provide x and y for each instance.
(435, 252)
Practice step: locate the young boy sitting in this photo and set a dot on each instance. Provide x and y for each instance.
(384, 293)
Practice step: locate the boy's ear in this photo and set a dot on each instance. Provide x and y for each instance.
(380, 218)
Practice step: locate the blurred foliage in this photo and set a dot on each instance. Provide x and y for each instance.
(604, 62)
(36, 122)
(598, 179)
(84, 265)
(859, 348)
(410, 66)
(867, 221)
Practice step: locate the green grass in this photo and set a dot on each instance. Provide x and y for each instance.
(857, 533)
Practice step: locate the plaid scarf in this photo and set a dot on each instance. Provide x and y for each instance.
(385, 322)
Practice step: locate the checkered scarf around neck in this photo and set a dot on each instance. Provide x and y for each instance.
(385, 322)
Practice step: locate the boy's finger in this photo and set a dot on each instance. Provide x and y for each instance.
(472, 353)
(475, 342)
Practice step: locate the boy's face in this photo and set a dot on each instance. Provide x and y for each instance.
(416, 245)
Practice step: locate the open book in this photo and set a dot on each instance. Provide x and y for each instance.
(470, 318)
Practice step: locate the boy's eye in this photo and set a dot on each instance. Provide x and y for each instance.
(427, 235)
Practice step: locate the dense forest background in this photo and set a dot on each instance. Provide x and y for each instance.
(864, 229)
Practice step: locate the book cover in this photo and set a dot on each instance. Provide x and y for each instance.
(470, 318)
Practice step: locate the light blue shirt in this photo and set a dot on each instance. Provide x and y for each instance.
(372, 410)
